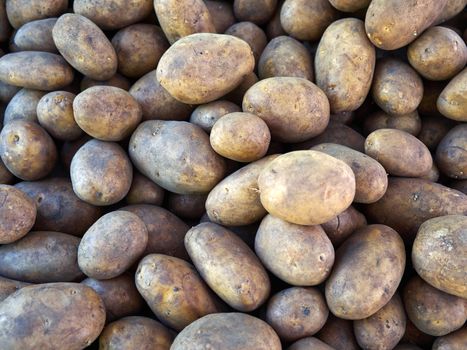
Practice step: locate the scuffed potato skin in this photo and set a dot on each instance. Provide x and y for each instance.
(36, 36)
(256, 11)
(452, 102)
(23, 106)
(20, 12)
(343, 225)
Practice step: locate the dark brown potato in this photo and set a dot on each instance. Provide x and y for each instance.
(236, 95)
(187, 206)
(69, 149)
(207, 114)
(256, 11)
(9, 286)
(338, 333)
(309, 343)
(252, 34)
(23, 106)
(451, 154)
(222, 15)
(36, 36)
(431, 92)
(410, 123)
(20, 12)
(433, 130)
(460, 185)
(144, 191)
(349, 5)
(4, 23)
(343, 225)
(117, 80)
(8, 91)
(5, 176)
(454, 341)
(452, 102)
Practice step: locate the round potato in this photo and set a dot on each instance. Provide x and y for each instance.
(256, 11)
(9, 286)
(452, 102)
(36, 36)
(410, 123)
(221, 13)
(206, 115)
(349, 5)
(433, 130)
(23, 106)
(20, 12)
(144, 191)
(116, 80)
(343, 225)
(187, 206)
(252, 34)
(309, 343)
(451, 154)
(454, 341)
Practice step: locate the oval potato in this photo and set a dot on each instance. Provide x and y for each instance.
(456, 341)
(23, 106)
(452, 102)
(252, 34)
(36, 36)
(20, 12)
(451, 154)
(206, 115)
(256, 11)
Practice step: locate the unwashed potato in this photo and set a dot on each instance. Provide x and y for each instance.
(206, 115)
(452, 8)
(116, 80)
(27, 150)
(9, 286)
(252, 34)
(256, 11)
(51, 316)
(144, 191)
(343, 225)
(20, 12)
(228, 266)
(83, 44)
(23, 106)
(112, 244)
(227, 331)
(452, 102)
(338, 333)
(222, 15)
(41, 257)
(36, 36)
(174, 291)
(454, 341)
(350, 5)
(433, 130)
(451, 154)
(212, 65)
(431, 91)
(410, 122)
(309, 343)
(187, 206)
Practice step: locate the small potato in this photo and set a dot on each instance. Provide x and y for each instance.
(221, 14)
(23, 106)
(9, 286)
(36, 36)
(236, 95)
(397, 88)
(20, 12)
(228, 266)
(5, 176)
(112, 244)
(452, 102)
(27, 150)
(343, 225)
(285, 57)
(309, 343)
(384, 329)
(101, 173)
(51, 316)
(439, 253)
(338, 333)
(217, 65)
(451, 154)
(207, 114)
(433, 130)
(252, 34)
(83, 44)
(227, 331)
(116, 80)
(256, 11)
(41, 257)
(17, 214)
(187, 206)
(349, 5)
(135, 332)
(144, 191)
(139, 48)
(410, 123)
(454, 341)
(174, 291)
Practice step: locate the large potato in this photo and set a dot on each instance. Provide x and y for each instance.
(206, 115)
(256, 11)
(20, 12)
(252, 34)
(454, 341)
(9, 286)
(144, 191)
(338, 333)
(23, 106)
(452, 102)
(36, 36)
(451, 154)
(343, 225)
(410, 122)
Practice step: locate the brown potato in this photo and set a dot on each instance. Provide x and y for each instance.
(299, 255)
(338, 333)
(116, 80)
(20, 12)
(187, 206)
(410, 123)
(174, 291)
(221, 14)
(228, 266)
(431, 92)
(451, 154)
(207, 114)
(144, 191)
(452, 8)
(256, 11)
(452, 102)
(112, 244)
(350, 5)
(101, 173)
(433, 130)
(4, 23)
(9, 286)
(236, 95)
(196, 78)
(83, 44)
(343, 225)
(454, 341)
(309, 343)
(252, 34)
(51, 316)
(36, 36)
(5, 176)
(23, 106)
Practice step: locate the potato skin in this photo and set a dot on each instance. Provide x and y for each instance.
(144, 191)
(5, 176)
(116, 80)
(206, 115)
(83, 44)
(256, 11)
(348, 86)
(227, 331)
(452, 102)
(343, 225)
(20, 12)
(9, 286)
(236, 95)
(36, 36)
(174, 291)
(187, 206)
(5, 28)
(309, 343)
(433, 130)
(237, 276)
(252, 34)
(410, 122)
(451, 154)
(23, 106)
(349, 5)
(338, 333)
(51, 316)
(221, 14)
(454, 341)
(354, 290)
(7, 92)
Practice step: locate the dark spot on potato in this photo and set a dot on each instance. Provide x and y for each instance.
(306, 310)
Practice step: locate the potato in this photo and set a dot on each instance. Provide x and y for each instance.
(187, 206)
(144, 191)
(451, 154)
(236, 95)
(139, 48)
(36, 36)
(221, 14)
(112, 244)
(17, 214)
(55, 114)
(101, 173)
(27, 150)
(252, 34)
(349, 5)
(433, 175)
(119, 294)
(136, 332)
(367, 271)
(256, 11)
(20, 12)
(41, 257)
(394, 24)
(35, 70)
(4, 23)
(9, 286)
(307, 20)
(338, 333)
(438, 54)
(51, 316)
(439, 253)
(227, 331)
(306, 187)
(116, 80)
(23, 106)
(349, 84)
(228, 266)
(69, 149)
(397, 88)
(207, 114)
(174, 291)
(8, 91)
(285, 57)
(217, 65)
(433, 130)
(184, 168)
(113, 14)
(5, 176)
(343, 225)
(309, 343)
(384, 329)
(452, 102)
(85, 46)
(299, 255)
(454, 341)
(165, 230)
(410, 123)
(431, 310)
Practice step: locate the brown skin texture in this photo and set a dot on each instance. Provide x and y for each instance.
(433, 130)
(35, 70)
(174, 290)
(454, 341)
(235, 201)
(451, 154)
(384, 329)
(36, 36)
(344, 64)
(139, 48)
(221, 14)
(187, 206)
(41, 257)
(5, 176)
(112, 244)
(401, 153)
(212, 65)
(23, 106)
(136, 332)
(349, 5)
(227, 331)
(101, 173)
(285, 57)
(343, 225)
(397, 88)
(433, 175)
(144, 191)
(410, 122)
(5, 28)
(431, 92)
(452, 8)
(53, 316)
(452, 102)
(17, 214)
(83, 44)
(236, 95)
(184, 168)
(306, 187)
(69, 149)
(309, 343)
(252, 34)
(256, 11)
(439, 253)
(367, 271)
(394, 24)
(117, 80)
(228, 266)
(27, 150)
(338, 333)
(8, 91)
(9, 286)
(206, 115)
(20, 12)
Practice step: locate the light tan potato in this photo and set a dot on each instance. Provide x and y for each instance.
(451, 154)
(144, 191)
(256, 11)
(187, 206)
(454, 341)
(309, 343)
(343, 225)
(23, 106)
(206, 115)
(433, 130)
(221, 13)
(349, 5)
(36, 36)
(9, 286)
(20, 12)
(236, 95)
(452, 102)
(410, 122)
(116, 80)
(252, 34)
(338, 333)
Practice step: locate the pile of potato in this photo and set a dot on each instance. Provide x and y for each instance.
(233, 175)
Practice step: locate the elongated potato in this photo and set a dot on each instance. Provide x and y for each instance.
(454, 341)
(343, 225)
(452, 102)
(252, 34)
(23, 106)
(9, 286)
(451, 154)
(206, 115)
(410, 122)
(36, 36)
(338, 333)
(20, 12)
(144, 191)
